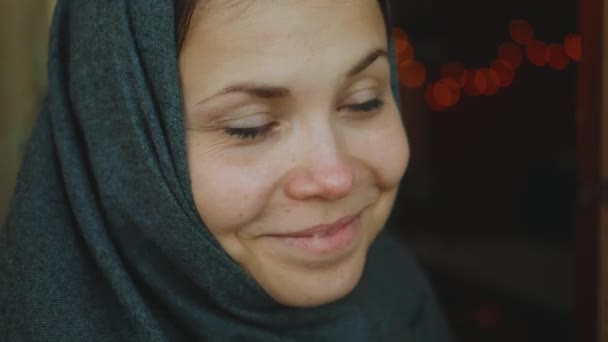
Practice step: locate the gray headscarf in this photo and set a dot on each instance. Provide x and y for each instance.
(103, 241)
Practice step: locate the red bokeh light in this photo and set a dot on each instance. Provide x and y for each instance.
(573, 46)
(476, 83)
(442, 94)
(399, 33)
(488, 316)
(454, 71)
(537, 53)
(401, 45)
(412, 74)
(506, 75)
(455, 79)
(521, 31)
(511, 54)
(404, 52)
(454, 88)
(430, 99)
(557, 57)
(403, 49)
(492, 80)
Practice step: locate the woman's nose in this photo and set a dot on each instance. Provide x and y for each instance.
(324, 173)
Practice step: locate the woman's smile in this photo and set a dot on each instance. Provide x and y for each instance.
(321, 244)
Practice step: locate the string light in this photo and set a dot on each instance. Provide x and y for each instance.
(454, 71)
(429, 97)
(505, 73)
(511, 54)
(557, 57)
(454, 88)
(403, 49)
(476, 84)
(442, 94)
(456, 80)
(412, 74)
(537, 53)
(573, 46)
(492, 80)
(521, 31)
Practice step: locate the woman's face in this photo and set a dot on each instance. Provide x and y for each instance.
(295, 144)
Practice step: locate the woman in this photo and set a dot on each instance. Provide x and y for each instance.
(213, 170)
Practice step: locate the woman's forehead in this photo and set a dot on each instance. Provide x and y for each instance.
(268, 22)
(214, 12)
(279, 42)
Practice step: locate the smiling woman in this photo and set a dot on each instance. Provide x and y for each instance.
(221, 174)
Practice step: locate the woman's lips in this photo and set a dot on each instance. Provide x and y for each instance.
(321, 230)
(325, 241)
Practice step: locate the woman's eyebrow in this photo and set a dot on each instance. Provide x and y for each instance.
(254, 89)
(367, 61)
(267, 91)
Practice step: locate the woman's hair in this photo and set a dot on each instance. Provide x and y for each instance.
(183, 13)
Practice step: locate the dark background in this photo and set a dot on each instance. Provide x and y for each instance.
(488, 201)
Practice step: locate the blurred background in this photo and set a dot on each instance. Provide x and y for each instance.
(490, 205)
(504, 133)
(24, 26)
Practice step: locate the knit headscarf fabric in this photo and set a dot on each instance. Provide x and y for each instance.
(103, 241)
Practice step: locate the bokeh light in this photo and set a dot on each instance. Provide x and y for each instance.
(492, 81)
(521, 31)
(476, 83)
(557, 57)
(399, 33)
(442, 94)
(506, 75)
(511, 54)
(537, 53)
(454, 88)
(430, 99)
(573, 46)
(455, 80)
(412, 74)
(454, 71)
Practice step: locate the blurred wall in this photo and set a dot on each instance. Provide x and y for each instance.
(603, 316)
(23, 41)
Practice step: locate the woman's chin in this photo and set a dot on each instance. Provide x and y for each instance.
(309, 287)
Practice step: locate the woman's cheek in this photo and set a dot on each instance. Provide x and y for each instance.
(398, 150)
(227, 196)
(385, 150)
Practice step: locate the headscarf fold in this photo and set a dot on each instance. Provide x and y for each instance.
(103, 241)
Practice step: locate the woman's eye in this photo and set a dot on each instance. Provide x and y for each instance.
(250, 132)
(367, 106)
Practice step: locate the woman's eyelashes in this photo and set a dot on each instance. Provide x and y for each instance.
(368, 106)
(263, 131)
(251, 132)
